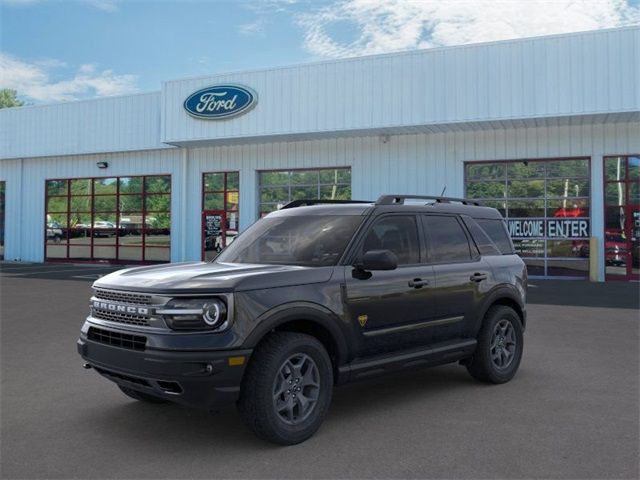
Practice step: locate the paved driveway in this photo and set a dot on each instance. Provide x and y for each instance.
(571, 412)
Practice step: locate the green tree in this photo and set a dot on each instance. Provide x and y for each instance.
(8, 98)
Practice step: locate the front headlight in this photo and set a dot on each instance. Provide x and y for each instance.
(195, 314)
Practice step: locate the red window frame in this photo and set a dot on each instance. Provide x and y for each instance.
(627, 183)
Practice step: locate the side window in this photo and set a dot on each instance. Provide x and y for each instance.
(481, 239)
(398, 234)
(446, 240)
(497, 232)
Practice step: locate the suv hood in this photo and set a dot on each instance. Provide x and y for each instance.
(194, 277)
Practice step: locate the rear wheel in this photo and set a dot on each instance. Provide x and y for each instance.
(141, 396)
(287, 388)
(500, 344)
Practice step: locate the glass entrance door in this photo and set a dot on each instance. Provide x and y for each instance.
(622, 217)
(213, 233)
(220, 211)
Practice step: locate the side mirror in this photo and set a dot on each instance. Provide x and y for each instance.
(378, 260)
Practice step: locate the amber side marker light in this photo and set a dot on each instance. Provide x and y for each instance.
(236, 361)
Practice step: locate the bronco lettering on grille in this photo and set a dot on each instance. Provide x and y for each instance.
(112, 307)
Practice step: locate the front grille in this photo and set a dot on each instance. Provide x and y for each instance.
(117, 339)
(120, 376)
(127, 318)
(123, 297)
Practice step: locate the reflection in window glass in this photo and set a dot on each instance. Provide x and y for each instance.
(614, 168)
(398, 234)
(486, 189)
(81, 204)
(57, 187)
(634, 168)
(570, 208)
(525, 169)
(529, 248)
(105, 203)
(568, 248)
(615, 194)
(568, 188)
(486, 171)
(158, 184)
(105, 186)
(280, 187)
(568, 168)
(447, 241)
(105, 219)
(80, 186)
(541, 191)
(525, 208)
(525, 189)
(131, 184)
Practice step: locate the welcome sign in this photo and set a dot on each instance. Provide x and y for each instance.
(220, 102)
(550, 228)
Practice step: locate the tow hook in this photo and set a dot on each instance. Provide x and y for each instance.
(86, 366)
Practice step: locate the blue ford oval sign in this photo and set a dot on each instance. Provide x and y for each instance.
(220, 101)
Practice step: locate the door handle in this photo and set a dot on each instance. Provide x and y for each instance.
(418, 283)
(478, 277)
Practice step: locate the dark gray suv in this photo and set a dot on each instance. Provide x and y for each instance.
(316, 294)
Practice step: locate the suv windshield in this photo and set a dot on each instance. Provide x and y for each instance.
(310, 241)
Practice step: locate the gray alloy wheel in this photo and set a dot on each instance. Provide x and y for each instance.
(503, 344)
(499, 348)
(296, 389)
(287, 386)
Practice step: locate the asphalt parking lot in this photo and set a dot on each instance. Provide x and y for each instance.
(571, 412)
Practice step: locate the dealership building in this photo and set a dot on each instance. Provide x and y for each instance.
(545, 129)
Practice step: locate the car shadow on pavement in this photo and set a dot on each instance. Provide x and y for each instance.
(186, 430)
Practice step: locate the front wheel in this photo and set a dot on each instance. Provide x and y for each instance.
(287, 388)
(500, 344)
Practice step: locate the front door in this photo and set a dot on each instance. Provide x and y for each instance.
(214, 233)
(622, 218)
(390, 309)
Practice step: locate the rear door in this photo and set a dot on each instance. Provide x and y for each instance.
(389, 308)
(460, 275)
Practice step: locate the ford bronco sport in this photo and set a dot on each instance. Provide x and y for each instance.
(314, 295)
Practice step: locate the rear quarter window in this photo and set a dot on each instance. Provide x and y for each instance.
(485, 245)
(497, 232)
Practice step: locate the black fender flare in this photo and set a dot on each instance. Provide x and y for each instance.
(503, 291)
(308, 311)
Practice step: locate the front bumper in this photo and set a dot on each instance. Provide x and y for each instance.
(202, 379)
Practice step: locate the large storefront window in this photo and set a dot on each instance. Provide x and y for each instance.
(119, 219)
(278, 187)
(622, 217)
(547, 207)
(2, 190)
(220, 211)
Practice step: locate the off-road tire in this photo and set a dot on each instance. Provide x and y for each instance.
(141, 396)
(482, 367)
(256, 404)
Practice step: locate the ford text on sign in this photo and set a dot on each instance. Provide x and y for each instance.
(220, 101)
(551, 228)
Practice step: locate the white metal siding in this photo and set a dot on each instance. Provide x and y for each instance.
(115, 124)
(565, 75)
(416, 163)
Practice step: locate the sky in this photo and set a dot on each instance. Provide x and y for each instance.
(55, 50)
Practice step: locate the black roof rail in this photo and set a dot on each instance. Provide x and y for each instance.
(399, 199)
(315, 201)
